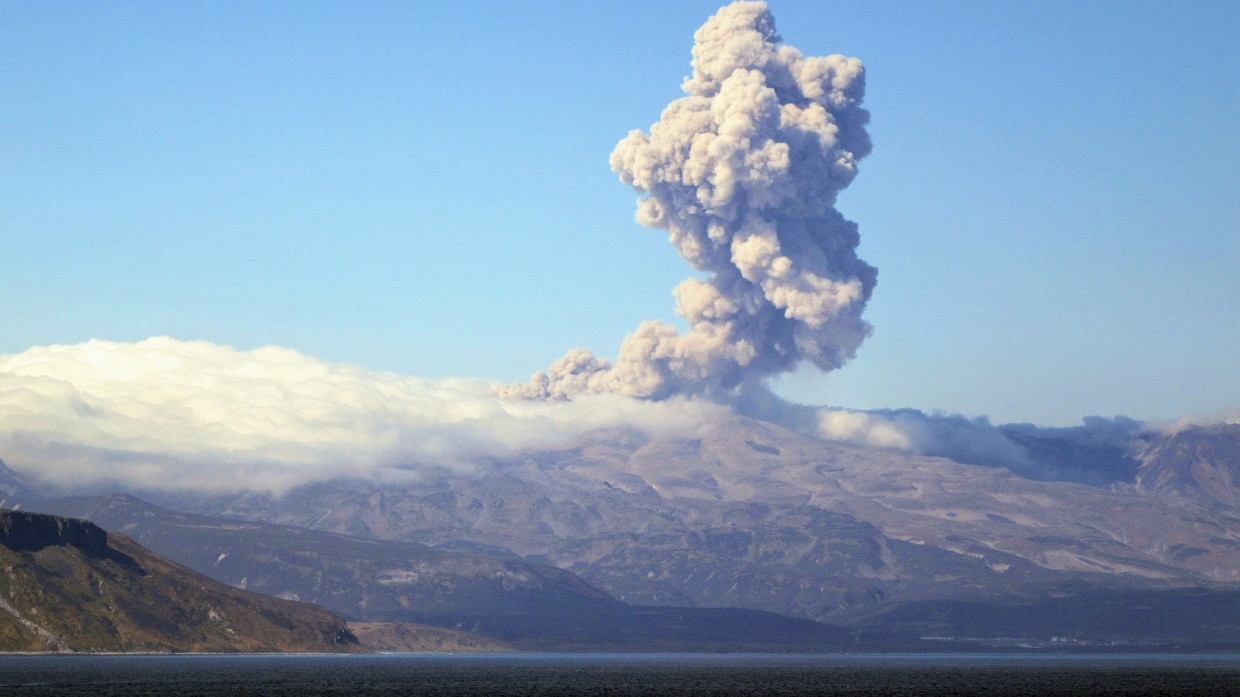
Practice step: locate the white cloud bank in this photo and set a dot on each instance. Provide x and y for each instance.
(168, 414)
(163, 413)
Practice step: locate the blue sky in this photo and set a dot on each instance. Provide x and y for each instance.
(1052, 201)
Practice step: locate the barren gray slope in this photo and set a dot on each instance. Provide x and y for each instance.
(1197, 462)
(746, 514)
(531, 605)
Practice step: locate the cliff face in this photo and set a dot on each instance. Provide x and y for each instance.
(30, 532)
(67, 585)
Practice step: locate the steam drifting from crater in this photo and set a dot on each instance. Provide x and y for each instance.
(743, 173)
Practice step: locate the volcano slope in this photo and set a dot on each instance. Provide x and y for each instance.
(1199, 462)
(395, 594)
(745, 514)
(736, 514)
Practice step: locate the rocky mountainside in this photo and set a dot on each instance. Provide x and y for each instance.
(741, 516)
(362, 579)
(746, 514)
(502, 597)
(1197, 463)
(520, 604)
(67, 585)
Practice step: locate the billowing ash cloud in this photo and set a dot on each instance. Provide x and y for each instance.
(743, 173)
(168, 414)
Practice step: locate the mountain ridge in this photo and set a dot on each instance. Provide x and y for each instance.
(908, 520)
(1201, 462)
(741, 515)
(67, 585)
(521, 604)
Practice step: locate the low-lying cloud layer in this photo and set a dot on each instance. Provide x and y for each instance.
(168, 414)
(743, 173)
(1100, 451)
(163, 413)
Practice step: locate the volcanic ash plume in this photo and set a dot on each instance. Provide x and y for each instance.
(743, 173)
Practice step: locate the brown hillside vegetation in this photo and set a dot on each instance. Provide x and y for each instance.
(67, 585)
(408, 636)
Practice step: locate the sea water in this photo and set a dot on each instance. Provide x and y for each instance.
(620, 674)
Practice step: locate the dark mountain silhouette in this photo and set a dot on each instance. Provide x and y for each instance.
(67, 585)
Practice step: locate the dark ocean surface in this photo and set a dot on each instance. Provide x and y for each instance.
(621, 674)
